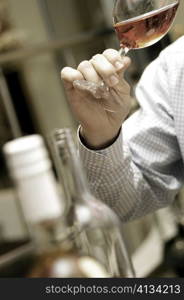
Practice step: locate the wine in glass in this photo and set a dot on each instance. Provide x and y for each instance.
(138, 24)
(142, 23)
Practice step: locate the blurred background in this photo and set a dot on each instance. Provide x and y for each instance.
(37, 39)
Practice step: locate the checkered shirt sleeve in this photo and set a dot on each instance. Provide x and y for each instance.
(143, 170)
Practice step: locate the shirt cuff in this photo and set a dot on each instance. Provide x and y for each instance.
(113, 153)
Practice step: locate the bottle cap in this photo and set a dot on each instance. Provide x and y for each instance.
(30, 168)
(26, 156)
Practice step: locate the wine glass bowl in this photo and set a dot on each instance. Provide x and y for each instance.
(142, 23)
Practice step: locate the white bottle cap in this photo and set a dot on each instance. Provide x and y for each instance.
(30, 168)
(26, 156)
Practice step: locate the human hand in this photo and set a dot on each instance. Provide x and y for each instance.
(99, 108)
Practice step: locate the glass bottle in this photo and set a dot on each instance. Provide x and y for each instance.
(99, 226)
(30, 168)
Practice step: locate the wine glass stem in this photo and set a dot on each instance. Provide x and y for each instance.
(123, 51)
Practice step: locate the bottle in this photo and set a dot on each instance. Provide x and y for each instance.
(99, 226)
(31, 170)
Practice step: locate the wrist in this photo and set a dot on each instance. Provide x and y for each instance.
(95, 141)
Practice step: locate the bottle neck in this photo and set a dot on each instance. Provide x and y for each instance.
(73, 176)
(61, 171)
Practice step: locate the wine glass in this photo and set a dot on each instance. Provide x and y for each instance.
(142, 23)
(138, 24)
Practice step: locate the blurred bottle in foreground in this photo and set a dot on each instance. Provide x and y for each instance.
(98, 225)
(30, 168)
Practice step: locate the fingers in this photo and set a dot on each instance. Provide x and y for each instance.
(114, 58)
(106, 67)
(88, 71)
(109, 65)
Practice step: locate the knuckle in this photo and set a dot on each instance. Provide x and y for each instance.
(70, 74)
(97, 56)
(104, 67)
(64, 71)
(84, 64)
(107, 71)
(110, 52)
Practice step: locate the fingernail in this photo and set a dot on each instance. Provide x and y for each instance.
(113, 80)
(119, 65)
